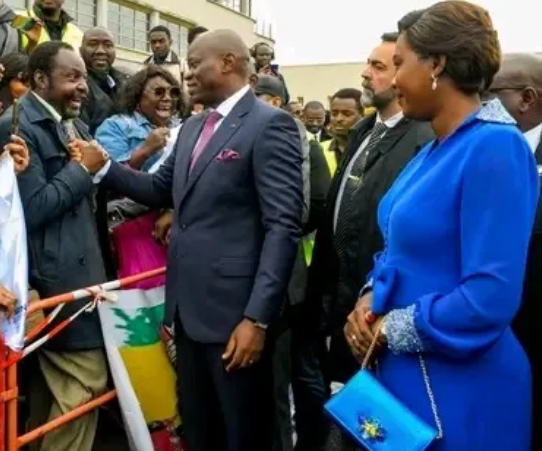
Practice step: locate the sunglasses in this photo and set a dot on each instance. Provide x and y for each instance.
(160, 92)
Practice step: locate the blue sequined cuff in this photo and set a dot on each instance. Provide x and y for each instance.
(366, 288)
(401, 333)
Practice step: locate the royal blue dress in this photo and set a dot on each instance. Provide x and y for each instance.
(456, 227)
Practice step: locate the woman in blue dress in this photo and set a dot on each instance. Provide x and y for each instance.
(456, 227)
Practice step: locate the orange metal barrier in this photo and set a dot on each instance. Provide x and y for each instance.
(9, 391)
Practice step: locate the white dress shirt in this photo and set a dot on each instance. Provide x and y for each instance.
(225, 108)
(533, 137)
(389, 123)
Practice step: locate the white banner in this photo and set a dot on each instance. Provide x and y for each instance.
(13, 254)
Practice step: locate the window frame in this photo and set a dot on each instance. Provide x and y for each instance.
(77, 15)
(234, 5)
(130, 31)
(180, 39)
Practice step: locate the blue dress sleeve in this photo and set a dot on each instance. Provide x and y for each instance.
(113, 137)
(499, 195)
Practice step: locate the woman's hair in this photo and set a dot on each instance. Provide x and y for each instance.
(14, 64)
(132, 91)
(461, 32)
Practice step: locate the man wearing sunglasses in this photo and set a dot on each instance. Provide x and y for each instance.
(518, 85)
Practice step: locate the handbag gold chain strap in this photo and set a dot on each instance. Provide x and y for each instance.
(430, 394)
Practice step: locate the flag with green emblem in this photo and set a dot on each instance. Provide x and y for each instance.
(141, 369)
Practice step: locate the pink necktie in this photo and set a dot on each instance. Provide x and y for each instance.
(208, 129)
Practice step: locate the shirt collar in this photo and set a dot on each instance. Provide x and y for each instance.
(228, 105)
(55, 115)
(533, 137)
(391, 121)
(111, 81)
(167, 59)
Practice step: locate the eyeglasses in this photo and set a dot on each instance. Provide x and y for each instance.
(160, 92)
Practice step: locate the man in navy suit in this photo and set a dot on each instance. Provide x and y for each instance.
(235, 183)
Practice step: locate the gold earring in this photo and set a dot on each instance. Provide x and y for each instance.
(435, 82)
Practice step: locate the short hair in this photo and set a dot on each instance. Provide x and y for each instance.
(193, 33)
(14, 64)
(314, 105)
(254, 49)
(132, 90)
(461, 32)
(161, 28)
(42, 59)
(349, 93)
(390, 37)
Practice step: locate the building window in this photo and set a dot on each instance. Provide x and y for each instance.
(83, 12)
(236, 5)
(129, 26)
(179, 36)
(17, 4)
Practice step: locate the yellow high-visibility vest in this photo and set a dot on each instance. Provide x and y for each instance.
(71, 34)
(331, 160)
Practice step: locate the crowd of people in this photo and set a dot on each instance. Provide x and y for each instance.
(402, 217)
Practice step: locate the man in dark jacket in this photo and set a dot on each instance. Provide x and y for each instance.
(295, 362)
(378, 149)
(64, 255)
(104, 81)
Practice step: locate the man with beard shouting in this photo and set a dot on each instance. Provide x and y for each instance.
(378, 149)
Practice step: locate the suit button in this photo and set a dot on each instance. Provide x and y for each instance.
(82, 260)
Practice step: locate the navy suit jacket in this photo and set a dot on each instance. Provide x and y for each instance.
(237, 223)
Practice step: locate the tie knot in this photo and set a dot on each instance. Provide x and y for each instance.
(213, 117)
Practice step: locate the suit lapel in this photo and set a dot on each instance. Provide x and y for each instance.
(229, 127)
(221, 136)
(37, 113)
(386, 143)
(186, 147)
(62, 136)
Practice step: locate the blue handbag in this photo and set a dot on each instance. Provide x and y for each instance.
(376, 419)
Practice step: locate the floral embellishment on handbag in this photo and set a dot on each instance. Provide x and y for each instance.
(371, 429)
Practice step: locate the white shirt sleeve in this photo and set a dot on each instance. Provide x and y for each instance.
(101, 173)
